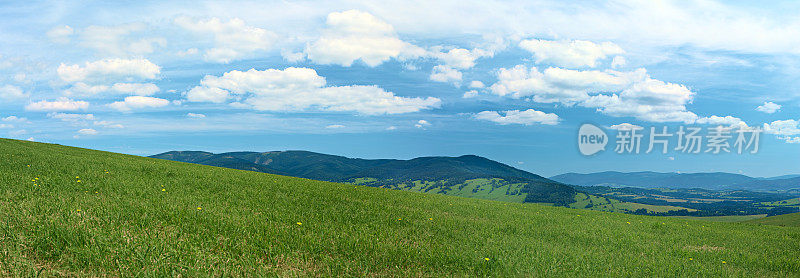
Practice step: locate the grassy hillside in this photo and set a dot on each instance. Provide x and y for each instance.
(75, 212)
(464, 176)
(792, 219)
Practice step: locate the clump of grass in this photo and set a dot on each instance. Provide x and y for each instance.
(134, 216)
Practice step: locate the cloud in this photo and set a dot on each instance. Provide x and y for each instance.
(445, 74)
(626, 126)
(560, 85)
(422, 124)
(61, 104)
(784, 130)
(14, 119)
(188, 52)
(138, 102)
(118, 40)
(470, 94)
(783, 127)
(60, 34)
(6, 126)
(769, 107)
(335, 126)
(87, 131)
(476, 84)
(67, 117)
(717, 120)
(526, 117)
(233, 39)
(114, 69)
(636, 94)
(570, 54)
(648, 100)
(461, 58)
(82, 89)
(108, 124)
(355, 35)
(298, 89)
(85, 90)
(195, 115)
(207, 94)
(139, 89)
(11, 92)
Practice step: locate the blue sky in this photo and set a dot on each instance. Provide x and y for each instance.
(511, 81)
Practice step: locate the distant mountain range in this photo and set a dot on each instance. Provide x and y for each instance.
(712, 181)
(468, 175)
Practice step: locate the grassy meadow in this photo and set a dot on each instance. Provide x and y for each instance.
(75, 212)
(792, 219)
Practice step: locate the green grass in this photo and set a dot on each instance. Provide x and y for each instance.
(726, 218)
(600, 203)
(792, 219)
(117, 221)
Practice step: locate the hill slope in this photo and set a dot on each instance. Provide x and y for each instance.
(466, 176)
(792, 219)
(77, 212)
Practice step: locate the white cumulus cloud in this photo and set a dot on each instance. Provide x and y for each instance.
(476, 84)
(115, 69)
(445, 74)
(769, 107)
(61, 104)
(297, 89)
(355, 35)
(233, 39)
(570, 54)
(626, 126)
(525, 117)
(68, 117)
(138, 102)
(633, 94)
(726, 121)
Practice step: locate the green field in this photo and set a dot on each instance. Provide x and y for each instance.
(792, 219)
(75, 212)
(600, 203)
(726, 218)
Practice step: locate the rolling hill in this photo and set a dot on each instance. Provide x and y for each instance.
(711, 181)
(467, 176)
(792, 219)
(76, 212)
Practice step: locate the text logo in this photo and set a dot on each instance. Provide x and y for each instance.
(591, 139)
